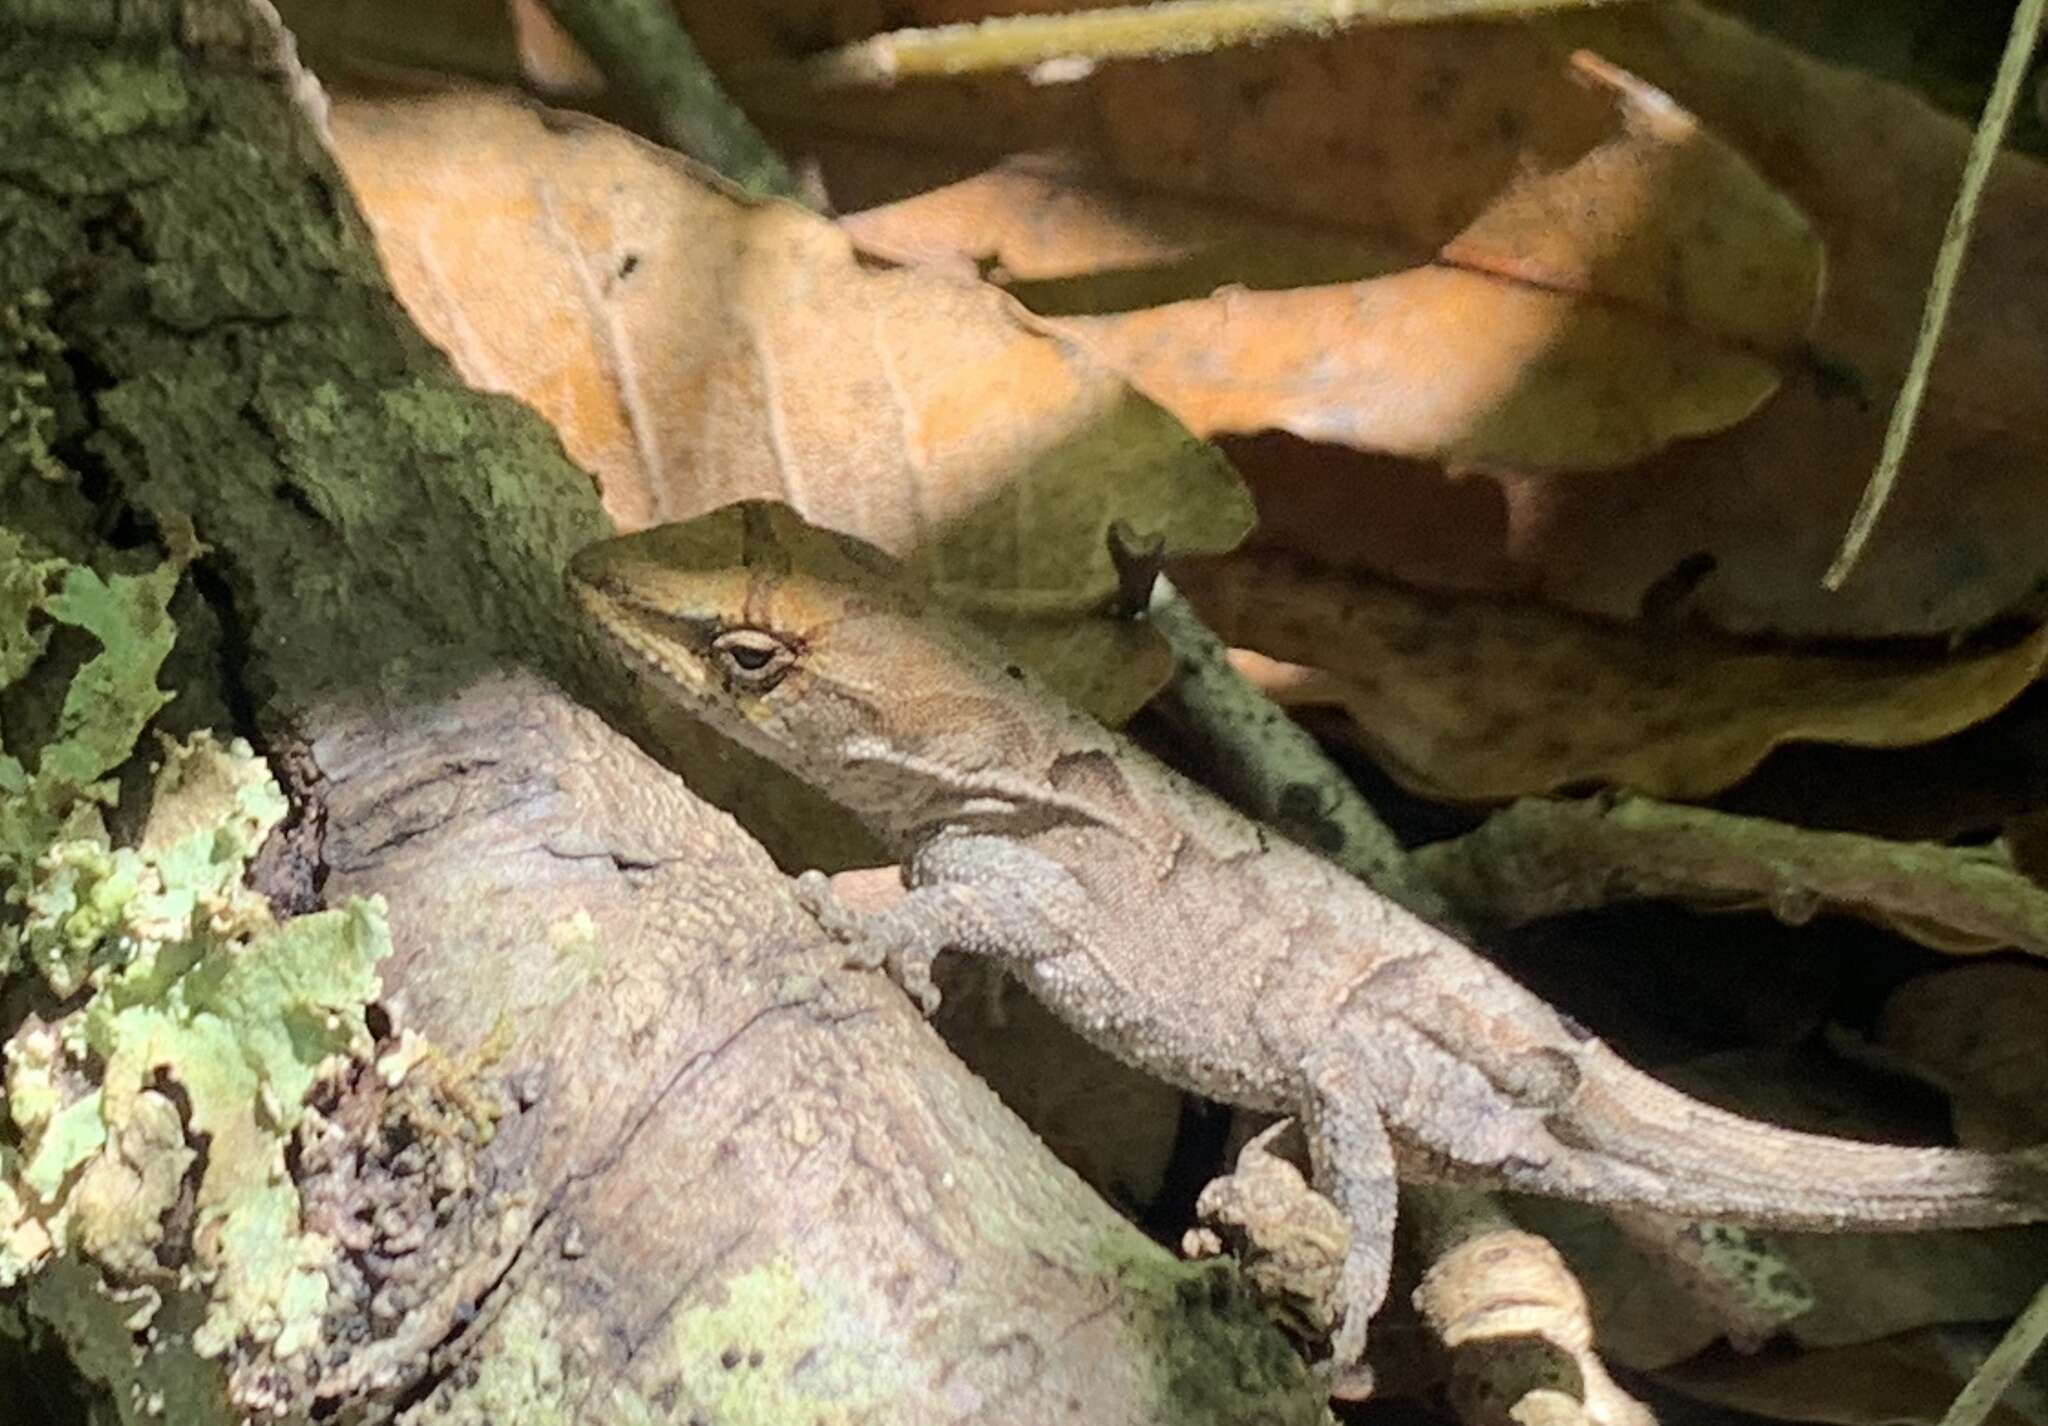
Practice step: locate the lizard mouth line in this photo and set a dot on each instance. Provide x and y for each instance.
(646, 637)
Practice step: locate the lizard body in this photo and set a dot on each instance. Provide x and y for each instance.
(1189, 940)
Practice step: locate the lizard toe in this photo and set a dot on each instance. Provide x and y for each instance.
(814, 893)
(1345, 1367)
(911, 968)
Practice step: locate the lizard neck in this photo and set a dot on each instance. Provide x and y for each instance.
(910, 799)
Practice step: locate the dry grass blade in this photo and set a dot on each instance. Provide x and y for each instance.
(1948, 268)
(1974, 1402)
(1161, 31)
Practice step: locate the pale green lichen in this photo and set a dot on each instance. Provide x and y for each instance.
(196, 1023)
(107, 704)
(193, 984)
(773, 1350)
(76, 903)
(524, 1378)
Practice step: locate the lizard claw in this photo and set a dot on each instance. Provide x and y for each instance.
(1345, 1369)
(814, 893)
(912, 970)
(873, 941)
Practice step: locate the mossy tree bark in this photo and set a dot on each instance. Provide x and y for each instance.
(636, 1148)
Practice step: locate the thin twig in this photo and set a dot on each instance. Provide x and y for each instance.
(1157, 31)
(1549, 856)
(1948, 266)
(1276, 770)
(651, 63)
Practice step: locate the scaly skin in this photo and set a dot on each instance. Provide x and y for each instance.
(1186, 939)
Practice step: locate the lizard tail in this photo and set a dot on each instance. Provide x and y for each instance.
(1646, 1144)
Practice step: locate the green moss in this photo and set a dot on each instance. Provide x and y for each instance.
(29, 351)
(1218, 1358)
(34, 234)
(112, 99)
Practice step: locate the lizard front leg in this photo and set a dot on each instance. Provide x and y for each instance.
(905, 939)
(1353, 1163)
(979, 894)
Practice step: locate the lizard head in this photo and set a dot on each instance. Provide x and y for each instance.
(819, 652)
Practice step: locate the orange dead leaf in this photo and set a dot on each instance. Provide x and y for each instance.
(1479, 699)
(1437, 363)
(1764, 504)
(692, 348)
(1591, 311)
(1400, 137)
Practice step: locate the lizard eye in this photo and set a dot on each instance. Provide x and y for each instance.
(752, 658)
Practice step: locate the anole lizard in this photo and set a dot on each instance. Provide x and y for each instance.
(1183, 937)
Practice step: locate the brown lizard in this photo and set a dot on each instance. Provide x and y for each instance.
(1187, 939)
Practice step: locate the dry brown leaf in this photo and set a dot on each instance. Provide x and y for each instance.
(1976, 1031)
(1763, 506)
(692, 348)
(1870, 1285)
(1352, 155)
(1478, 699)
(1992, 777)
(1434, 362)
(548, 59)
(1877, 168)
(1862, 1287)
(1592, 310)
(1399, 132)
(471, 37)
(1900, 1381)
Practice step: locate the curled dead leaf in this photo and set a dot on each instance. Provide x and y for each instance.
(1763, 504)
(1477, 699)
(1516, 1324)
(1976, 1031)
(1590, 312)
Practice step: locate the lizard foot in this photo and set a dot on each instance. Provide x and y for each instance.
(1354, 1167)
(1345, 1370)
(814, 893)
(903, 943)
